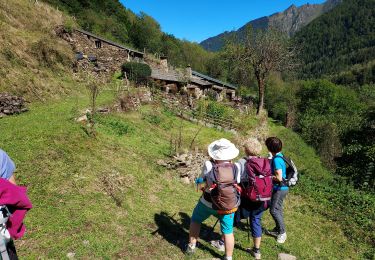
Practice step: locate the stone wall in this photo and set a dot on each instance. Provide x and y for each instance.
(103, 56)
(10, 105)
(109, 58)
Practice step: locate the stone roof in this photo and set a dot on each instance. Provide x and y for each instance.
(199, 81)
(208, 78)
(164, 75)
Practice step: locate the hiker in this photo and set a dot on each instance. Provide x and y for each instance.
(11, 219)
(221, 177)
(280, 189)
(253, 208)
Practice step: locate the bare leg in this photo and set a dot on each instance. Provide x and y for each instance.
(229, 244)
(194, 232)
(256, 241)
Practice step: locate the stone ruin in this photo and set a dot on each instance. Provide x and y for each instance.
(10, 105)
(188, 165)
(132, 100)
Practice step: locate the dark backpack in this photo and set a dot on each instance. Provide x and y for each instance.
(224, 195)
(291, 171)
(259, 186)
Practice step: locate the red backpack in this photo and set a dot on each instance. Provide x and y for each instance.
(259, 187)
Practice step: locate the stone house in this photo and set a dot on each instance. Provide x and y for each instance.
(223, 89)
(193, 83)
(106, 55)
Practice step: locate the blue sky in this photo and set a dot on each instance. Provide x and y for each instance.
(197, 20)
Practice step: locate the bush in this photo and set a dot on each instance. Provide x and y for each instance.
(136, 72)
(215, 109)
(69, 24)
(117, 126)
(153, 119)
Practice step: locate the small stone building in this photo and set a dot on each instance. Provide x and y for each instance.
(106, 55)
(193, 83)
(223, 89)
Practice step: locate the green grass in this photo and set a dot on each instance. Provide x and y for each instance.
(107, 197)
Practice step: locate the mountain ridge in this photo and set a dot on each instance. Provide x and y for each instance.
(289, 21)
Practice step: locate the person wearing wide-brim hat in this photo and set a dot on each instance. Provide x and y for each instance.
(221, 152)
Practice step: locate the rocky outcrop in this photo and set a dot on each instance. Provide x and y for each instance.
(187, 165)
(10, 105)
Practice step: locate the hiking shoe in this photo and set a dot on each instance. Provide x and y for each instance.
(255, 252)
(218, 244)
(273, 232)
(281, 238)
(190, 249)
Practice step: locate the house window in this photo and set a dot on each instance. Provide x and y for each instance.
(98, 44)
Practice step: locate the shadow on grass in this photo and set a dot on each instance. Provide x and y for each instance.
(176, 232)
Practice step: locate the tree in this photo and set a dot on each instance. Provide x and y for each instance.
(263, 52)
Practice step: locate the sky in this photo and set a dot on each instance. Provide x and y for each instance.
(197, 20)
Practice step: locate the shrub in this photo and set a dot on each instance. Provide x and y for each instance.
(136, 72)
(69, 24)
(117, 126)
(153, 119)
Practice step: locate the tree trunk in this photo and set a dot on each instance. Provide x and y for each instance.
(261, 95)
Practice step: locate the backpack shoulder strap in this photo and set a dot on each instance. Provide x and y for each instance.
(235, 172)
(285, 159)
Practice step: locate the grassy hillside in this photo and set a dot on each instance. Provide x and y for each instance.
(108, 198)
(34, 62)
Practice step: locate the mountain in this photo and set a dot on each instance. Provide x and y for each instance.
(289, 21)
(338, 40)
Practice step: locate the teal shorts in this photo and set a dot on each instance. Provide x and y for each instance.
(202, 212)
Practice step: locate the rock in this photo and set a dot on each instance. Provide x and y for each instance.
(71, 255)
(103, 110)
(283, 256)
(10, 105)
(82, 118)
(185, 180)
(162, 163)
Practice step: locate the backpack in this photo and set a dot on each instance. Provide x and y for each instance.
(224, 195)
(259, 174)
(291, 171)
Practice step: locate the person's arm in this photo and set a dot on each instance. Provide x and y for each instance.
(278, 175)
(12, 180)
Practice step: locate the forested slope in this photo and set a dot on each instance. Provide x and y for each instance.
(339, 39)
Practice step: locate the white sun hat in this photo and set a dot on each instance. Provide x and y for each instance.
(222, 150)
